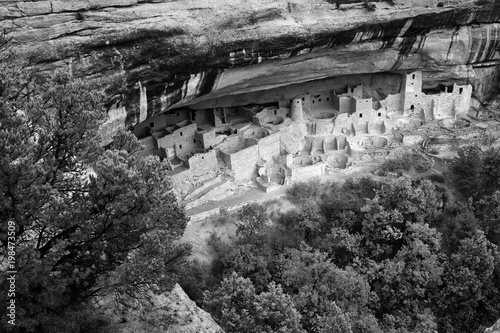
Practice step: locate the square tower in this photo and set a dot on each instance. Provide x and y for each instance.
(412, 90)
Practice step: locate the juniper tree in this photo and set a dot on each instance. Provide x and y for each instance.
(89, 221)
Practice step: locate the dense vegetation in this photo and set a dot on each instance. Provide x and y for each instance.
(89, 222)
(397, 255)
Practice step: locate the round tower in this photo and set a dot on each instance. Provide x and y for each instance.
(296, 110)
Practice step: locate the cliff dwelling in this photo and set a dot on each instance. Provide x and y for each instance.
(211, 150)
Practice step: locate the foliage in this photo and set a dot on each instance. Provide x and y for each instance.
(252, 220)
(471, 295)
(89, 222)
(367, 256)
(370, 6)
(406, 162)
(318, 287)
(237, 307)
(301, 193)
(476, 173)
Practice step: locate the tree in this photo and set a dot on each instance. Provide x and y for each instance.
(249, 261)
(238, 308)
(471, 295)
(476, 172)
(89, 222)
(253, 220)
(321, 290)
(487, 210)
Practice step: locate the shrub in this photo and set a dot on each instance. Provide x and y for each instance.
(436, 177)
(80, 16)
(370, 6)
(405, 163)
(222, 218)
(302, 192)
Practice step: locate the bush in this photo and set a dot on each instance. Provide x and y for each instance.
(370, 6)
(253, 220)
(301, 192)
(436, 177)
(405, 163)
(80, 16)
(222, 218)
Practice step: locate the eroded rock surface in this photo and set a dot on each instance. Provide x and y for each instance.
(493, 329)
(174, 53)
(171, 312)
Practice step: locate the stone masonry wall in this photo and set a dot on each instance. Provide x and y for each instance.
(306, 172)
(243, 163)
(269, 146)
(203, 163)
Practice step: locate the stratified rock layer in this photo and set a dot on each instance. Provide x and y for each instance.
(169, 54)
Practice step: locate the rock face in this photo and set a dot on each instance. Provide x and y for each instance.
(169, 54)
(172, 312)
(493, 329)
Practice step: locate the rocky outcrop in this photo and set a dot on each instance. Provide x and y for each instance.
(493, 329)
(171, 312)
(168, 54)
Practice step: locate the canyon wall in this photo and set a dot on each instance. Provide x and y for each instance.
(150, 56)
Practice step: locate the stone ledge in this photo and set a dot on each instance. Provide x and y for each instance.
(12, 10)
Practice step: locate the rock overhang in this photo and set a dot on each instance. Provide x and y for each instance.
(187, 52)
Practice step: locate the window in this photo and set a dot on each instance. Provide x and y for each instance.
(299, 101)
(303, 99)
(313, 101)
(180, 146)
(413, 76)
(380, 114)
(328, 99)
(151, 124)
(275, 112)
(412, 107)
(203, 157)
(360, 115)
(320, 99)
(194, 140)
(440, 4)
(416, 95)
(460, 90)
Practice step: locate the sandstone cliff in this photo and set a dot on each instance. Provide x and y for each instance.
(164, 54)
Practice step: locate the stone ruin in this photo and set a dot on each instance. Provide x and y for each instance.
(213, 151)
